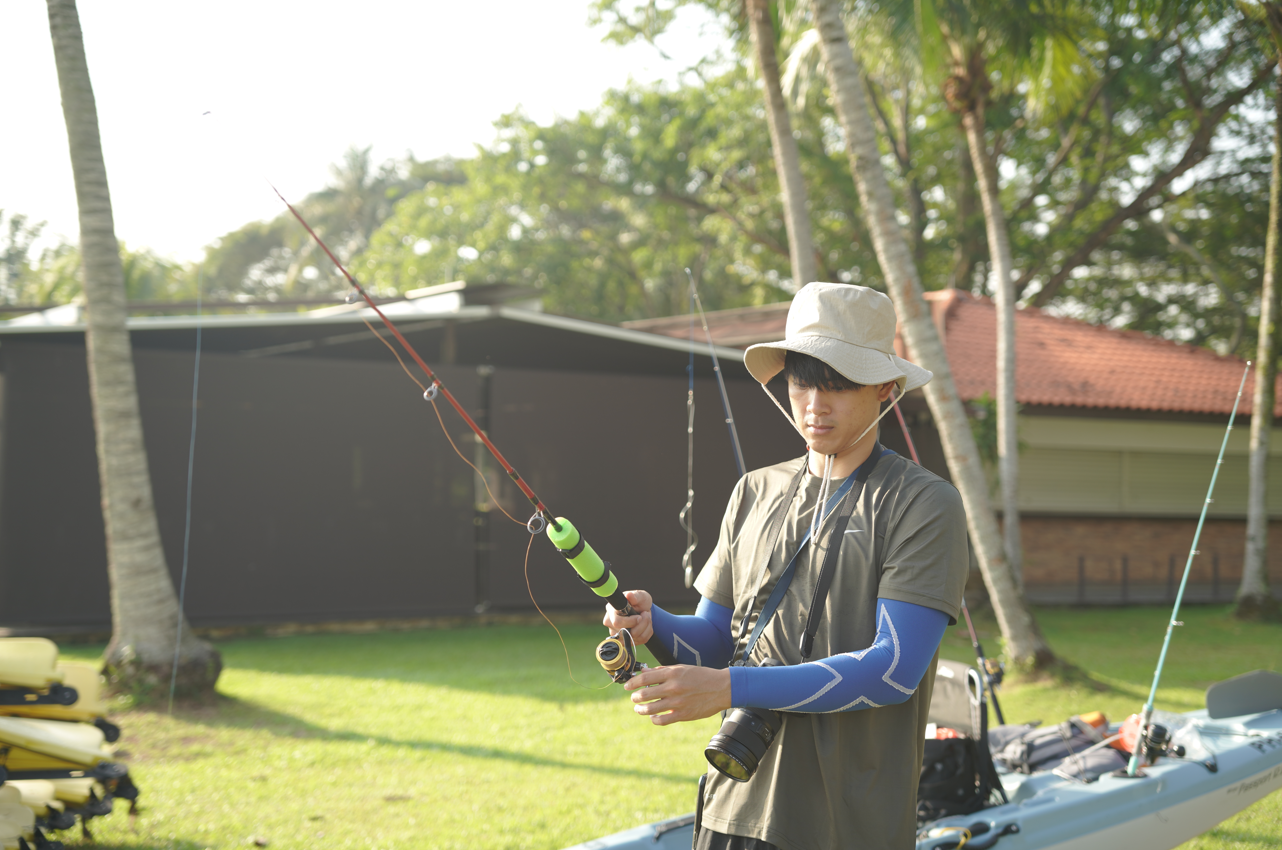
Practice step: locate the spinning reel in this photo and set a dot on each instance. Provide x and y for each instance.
(617, 654)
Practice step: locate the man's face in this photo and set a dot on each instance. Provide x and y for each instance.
(832, 419)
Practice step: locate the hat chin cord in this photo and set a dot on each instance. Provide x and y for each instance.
(825, 485)
(862, 434)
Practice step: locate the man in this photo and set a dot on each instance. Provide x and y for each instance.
(844, 768)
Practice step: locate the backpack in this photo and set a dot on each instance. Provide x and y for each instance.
(957, 773)
(952, 781)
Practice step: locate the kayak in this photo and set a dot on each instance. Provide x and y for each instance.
(1229, 763)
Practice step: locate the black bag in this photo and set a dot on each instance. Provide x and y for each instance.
(952, 779)
(1046, 748)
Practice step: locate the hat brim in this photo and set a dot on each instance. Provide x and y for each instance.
(855, 362)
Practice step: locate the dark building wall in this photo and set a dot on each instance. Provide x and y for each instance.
(610, 454)
(325, 490)
(322, 490)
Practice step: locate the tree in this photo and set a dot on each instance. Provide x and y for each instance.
(603, 210)
(649, 20)
(277, 258)
(801, 247)
(15, 255)
(56, 277)
(1254, 600)
(1173, 86)
(1025, 38)
(1024, 643)
(146, 618)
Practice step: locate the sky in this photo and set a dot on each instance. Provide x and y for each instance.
(200, 105)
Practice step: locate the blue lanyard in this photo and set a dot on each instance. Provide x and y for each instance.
(781, 587)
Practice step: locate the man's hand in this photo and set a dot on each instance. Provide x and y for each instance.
(672, 694)
(638, 625)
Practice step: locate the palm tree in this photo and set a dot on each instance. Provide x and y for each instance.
(1036, 47)
(145, 613)
(1024, 642)
(801, 247)
(1254, 601)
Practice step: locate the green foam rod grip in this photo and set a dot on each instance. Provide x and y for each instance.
(587, 563)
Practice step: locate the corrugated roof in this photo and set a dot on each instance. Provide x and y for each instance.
(1059, 361)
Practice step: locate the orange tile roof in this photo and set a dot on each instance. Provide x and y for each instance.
(1059, 361)
(1070, 363)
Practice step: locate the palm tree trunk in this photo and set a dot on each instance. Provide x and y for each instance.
(1024, 643)
(1254, 601)
(1004, 297)
(801, 248)
(968, 252)
(144, 609)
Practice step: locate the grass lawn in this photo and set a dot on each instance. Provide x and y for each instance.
(477, 738)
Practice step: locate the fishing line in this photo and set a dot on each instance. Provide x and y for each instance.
(427, 394)
(437, 385)
(559, 636)
(1146, 716)
(191, 460)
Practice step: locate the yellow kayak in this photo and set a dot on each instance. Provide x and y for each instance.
(77, 792)
(39, 795)
(36, 744)
(29, 663)
(16, 820)
(88, 706)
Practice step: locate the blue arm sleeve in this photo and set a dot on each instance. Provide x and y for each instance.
(702, 639)
(886, 673)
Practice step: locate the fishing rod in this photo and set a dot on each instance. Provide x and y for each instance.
(721, 381)
(990, 670)
(591, 568)
(1149, 741)
(686, 516)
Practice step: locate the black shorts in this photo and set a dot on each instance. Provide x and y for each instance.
(706, 839)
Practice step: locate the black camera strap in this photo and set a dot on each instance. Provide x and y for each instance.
(847, 496)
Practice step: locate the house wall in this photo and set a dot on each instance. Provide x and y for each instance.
(1136, 559)
(1113, 467)
(1099, 495)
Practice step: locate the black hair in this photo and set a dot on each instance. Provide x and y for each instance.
(806, 371)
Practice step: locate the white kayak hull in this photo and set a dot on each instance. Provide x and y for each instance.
(1174, 801)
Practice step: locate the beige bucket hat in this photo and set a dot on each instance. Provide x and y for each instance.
(851, 328)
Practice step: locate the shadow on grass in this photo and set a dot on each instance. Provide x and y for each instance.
(142, 843)
(520, 660)
(233, 713)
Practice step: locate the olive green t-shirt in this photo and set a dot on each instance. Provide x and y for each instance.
(845, 779)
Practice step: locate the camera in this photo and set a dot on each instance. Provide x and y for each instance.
(744, 736)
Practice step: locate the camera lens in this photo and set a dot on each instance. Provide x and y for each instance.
(742, 741)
